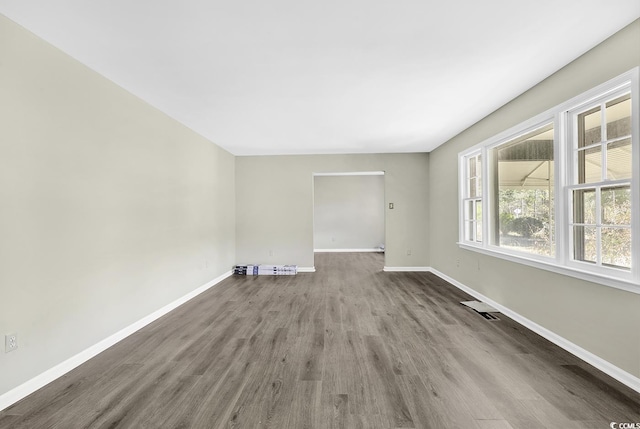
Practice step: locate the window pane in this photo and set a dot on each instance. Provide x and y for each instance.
(468, 210)
(525, 192)
(584, 206)
(619, 160)
(618, 115)
(616, 205)
(478, 220)
(589, 127)
(468, 230)
(472, 188)
(584, 243)
(590, 165)
(616, 247)
(474, 174)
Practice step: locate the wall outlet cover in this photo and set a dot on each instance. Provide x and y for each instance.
(10, 342)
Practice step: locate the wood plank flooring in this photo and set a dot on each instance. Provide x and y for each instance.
(346, 347)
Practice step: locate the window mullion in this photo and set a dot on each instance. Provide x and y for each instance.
(598, 225)
(486, 212)
(562, 143)
(603, 141)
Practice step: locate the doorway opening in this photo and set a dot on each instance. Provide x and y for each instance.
(349, 212)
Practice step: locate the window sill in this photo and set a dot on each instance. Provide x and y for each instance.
(602, 279)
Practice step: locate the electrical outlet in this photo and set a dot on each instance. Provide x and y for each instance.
(10, 342)
(458, 263)
(408, 252)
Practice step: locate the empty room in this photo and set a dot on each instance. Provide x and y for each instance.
(320, 215)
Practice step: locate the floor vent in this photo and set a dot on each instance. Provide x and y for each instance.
(483, 309)
(488, 316)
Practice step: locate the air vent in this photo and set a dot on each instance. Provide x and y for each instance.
(482, 308)
(488, 316)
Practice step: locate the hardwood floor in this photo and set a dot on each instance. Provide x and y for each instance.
(347, 347)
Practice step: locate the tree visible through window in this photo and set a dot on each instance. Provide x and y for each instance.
(525, 192)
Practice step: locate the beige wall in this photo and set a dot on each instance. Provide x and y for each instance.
(600, 319)
(274, 203)
(109, 209)
(348, 212)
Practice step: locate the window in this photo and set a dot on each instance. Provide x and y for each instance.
(473, 198)
(561, 191)
(601, 182)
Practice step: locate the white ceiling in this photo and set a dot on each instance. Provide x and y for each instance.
(326, 76)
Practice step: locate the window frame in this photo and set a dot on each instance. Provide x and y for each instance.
(564, 133)
(573, 182)
(467, 197)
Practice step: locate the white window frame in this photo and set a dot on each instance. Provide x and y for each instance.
(564, 132)
(466, 197)
(572, 133)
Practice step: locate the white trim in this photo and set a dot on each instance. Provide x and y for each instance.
(306, 269)
(351, 173)
(605, 366)
(376, 249)
(39, 381)
(407, 269)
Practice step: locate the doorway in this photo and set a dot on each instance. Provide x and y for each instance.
(349, 212)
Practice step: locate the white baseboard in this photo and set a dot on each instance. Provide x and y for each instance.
(30, 386)
(607, 367)
(306, 269)
(377, 249)
(406, 269)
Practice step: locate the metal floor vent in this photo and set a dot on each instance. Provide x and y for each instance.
(483, 309)
(488, 316)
